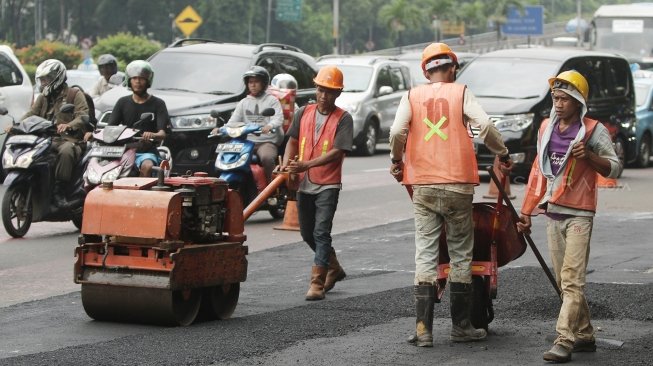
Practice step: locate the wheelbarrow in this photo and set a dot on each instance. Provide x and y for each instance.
(497, 242)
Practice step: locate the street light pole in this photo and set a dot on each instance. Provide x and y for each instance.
(267, 29)
(336, 14)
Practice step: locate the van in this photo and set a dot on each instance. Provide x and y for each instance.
(512, 87)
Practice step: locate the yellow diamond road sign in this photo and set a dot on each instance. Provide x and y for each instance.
(188, 20)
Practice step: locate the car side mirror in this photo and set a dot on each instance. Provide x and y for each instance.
(385, 90)
(3, 111)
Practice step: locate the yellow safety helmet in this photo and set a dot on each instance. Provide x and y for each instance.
(437, 49)
(329, 77)
(571, 78)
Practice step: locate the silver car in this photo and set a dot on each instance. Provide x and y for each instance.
(15, 87)
(373, 88)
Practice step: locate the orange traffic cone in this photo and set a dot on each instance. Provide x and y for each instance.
(493, 191)
(290, 217)
(603, 182)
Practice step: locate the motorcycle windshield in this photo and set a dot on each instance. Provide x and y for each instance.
(22, 140)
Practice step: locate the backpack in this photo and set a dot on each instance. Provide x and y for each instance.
(70, 98)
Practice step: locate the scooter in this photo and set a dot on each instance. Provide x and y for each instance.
(239, 166)
(113, 153)
(29, 164)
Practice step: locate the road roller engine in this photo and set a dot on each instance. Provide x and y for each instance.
(161, 250)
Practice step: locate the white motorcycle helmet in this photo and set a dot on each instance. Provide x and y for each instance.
(50, 75)
(284, 81)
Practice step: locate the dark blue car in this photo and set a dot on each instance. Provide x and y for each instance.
(644, 100)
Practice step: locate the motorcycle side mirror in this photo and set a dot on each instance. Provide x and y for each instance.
(3, 111)
(147, 117)
(215, 114)
(268, 112)
(67, 108)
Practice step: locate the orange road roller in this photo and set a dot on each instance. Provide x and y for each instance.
(163, 251)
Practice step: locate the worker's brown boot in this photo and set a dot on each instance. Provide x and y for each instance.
(318, 276)
(335, 272)
(424, 301)
(461, 309)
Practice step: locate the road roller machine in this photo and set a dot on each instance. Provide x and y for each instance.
(163, 251)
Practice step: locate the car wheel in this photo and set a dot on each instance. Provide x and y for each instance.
(620, 149)
(644, 154)
(367, 145)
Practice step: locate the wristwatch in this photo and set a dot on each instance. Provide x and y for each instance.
(504, 158)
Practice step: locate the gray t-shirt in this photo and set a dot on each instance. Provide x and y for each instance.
(248, 110)
(344, 140)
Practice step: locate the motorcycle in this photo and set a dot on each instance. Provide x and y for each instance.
(113, 153)
(29, 164)
(237, 164)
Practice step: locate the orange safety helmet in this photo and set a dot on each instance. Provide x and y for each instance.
(573, 78)
(329, 77)
(437, 49)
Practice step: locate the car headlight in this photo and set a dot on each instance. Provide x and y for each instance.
(513, 122)
(193, 121)
(352, 107)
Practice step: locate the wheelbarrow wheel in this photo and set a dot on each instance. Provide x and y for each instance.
(482, 310)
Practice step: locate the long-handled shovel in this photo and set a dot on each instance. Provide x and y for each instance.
(530, 242)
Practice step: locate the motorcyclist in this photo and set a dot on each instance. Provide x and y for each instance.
(108, 68)
(54, 92)
(129, 108)
(248, 110)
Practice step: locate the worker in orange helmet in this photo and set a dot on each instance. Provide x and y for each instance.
(319, 137)
(432, 125)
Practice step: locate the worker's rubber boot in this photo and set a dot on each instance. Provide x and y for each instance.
(316, 289)
(424, 301)
(335, 272)
(461, 309)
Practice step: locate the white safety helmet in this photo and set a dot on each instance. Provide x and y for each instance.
(53, 74)
(284, 81)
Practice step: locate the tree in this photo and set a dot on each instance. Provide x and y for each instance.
(400, 15)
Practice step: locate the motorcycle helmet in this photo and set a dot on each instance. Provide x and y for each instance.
(139, 68)
(284, 81)
(260, 72)
(50, 75)
(106, 60)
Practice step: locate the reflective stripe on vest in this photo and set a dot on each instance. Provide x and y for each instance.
(438, 147)
(330, 173)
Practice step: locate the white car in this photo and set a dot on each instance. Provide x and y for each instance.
(16, 93)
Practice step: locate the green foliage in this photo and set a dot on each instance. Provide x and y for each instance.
(71, 56)
(126, 47)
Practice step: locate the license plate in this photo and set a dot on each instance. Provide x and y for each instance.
(22, 140)
(107, 151)
(229, 148)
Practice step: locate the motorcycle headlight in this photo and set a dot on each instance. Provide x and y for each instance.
(111, 175)
(228, 166)
(513, 122)
(25, 160)
(193, 121)
(7, 161)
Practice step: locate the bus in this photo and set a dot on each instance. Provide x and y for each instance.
(624, 28)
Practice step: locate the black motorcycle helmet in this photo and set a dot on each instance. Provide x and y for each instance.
(109, 62)
(259, 72)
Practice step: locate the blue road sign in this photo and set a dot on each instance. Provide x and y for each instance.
(289, 10)
(528, 22)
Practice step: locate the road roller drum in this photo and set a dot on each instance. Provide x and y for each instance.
(161, 251)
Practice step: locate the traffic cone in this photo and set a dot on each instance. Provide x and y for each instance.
(290, 217)
(603, 182)
(493, 191)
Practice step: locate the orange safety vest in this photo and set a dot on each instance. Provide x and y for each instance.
(439, 148)
(330, 173)
(576, 188)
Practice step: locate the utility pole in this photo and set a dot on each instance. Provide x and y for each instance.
(267, 28)
(336, 14)
(578, 30)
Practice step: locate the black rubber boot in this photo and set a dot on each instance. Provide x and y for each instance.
(461, 308)
(424, 301)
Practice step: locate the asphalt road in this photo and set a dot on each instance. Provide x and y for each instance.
(365, 319)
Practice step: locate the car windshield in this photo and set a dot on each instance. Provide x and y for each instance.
(641, 92)
(356, 78)
(508, 78)
(199, 73)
